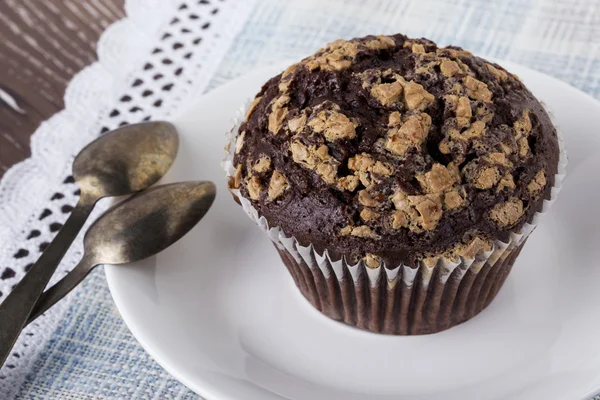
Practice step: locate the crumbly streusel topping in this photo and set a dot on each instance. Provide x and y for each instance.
(395, 148)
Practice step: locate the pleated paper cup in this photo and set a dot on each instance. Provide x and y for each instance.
(435, 295)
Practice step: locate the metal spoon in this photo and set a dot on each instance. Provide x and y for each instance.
(121, 162)
(135, 229)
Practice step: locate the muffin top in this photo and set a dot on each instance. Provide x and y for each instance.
(395, 149)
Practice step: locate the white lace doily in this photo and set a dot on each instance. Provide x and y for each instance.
(150, 63)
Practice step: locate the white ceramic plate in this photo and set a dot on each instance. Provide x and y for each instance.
(220, 313)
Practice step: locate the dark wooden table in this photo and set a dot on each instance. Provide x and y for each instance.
(43, 43)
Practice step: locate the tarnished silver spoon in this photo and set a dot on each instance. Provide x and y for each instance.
(121, 162)
(137, 228)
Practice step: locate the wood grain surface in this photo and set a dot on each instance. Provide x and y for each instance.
(43, 43)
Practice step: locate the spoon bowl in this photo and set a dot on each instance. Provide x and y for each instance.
(148, 222)
(126, 160)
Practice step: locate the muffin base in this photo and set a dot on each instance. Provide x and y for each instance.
(427, 305)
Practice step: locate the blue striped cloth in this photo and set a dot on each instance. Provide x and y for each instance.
(93, 356)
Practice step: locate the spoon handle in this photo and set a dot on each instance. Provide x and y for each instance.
(62, 288)
(16, 307)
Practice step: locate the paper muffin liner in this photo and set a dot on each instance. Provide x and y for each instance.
(399, 299)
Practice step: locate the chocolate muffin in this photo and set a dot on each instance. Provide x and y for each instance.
(406, 175)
